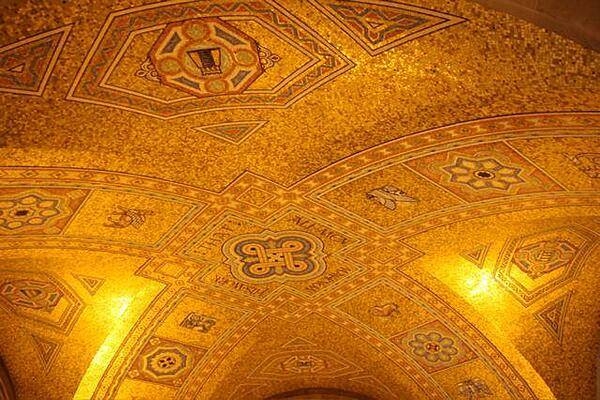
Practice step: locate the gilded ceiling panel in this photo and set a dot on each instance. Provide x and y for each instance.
(267, 200)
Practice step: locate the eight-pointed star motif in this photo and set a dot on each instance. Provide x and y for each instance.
(483, 173)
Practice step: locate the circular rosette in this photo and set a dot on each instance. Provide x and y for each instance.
(29, 211)
(433, 347)
(165, 362)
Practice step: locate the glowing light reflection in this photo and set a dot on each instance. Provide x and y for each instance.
(117, 308)
(479, 286)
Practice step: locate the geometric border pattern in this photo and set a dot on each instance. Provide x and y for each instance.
(454, 320)
(363, 162)
(509, 127)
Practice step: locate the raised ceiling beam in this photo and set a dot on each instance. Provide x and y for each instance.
(578, 20)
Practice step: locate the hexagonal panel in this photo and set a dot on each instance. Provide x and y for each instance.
(40, 298)
(38, 295)
(118, 73)
(534, 265)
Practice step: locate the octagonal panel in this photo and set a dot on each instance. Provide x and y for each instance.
(165, 362)
(206, 57)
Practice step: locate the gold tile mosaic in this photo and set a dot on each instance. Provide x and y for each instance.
(360, 199)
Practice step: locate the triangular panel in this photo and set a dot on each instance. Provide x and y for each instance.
(17, 68)
(26, 65)
(47, 350)
(90, 283)
(477, 255)
(233, 132)
(552, 316)
(379, 26)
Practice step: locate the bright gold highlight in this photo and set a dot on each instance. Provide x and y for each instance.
(122, 324)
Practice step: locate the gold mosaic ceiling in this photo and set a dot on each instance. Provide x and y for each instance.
(316, 199)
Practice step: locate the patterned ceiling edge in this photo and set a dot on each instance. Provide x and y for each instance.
(410, 228)
(114, 374)
(461, 315)
(309, 193)
(488, 349)
(360, 281)
(134, 333)
(8, 244)
(494, 128)
(278, 204)
(414, 290)
(349, 212)
(422, 379)
(425, 222)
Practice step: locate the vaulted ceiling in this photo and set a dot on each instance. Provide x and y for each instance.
(303, 199)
